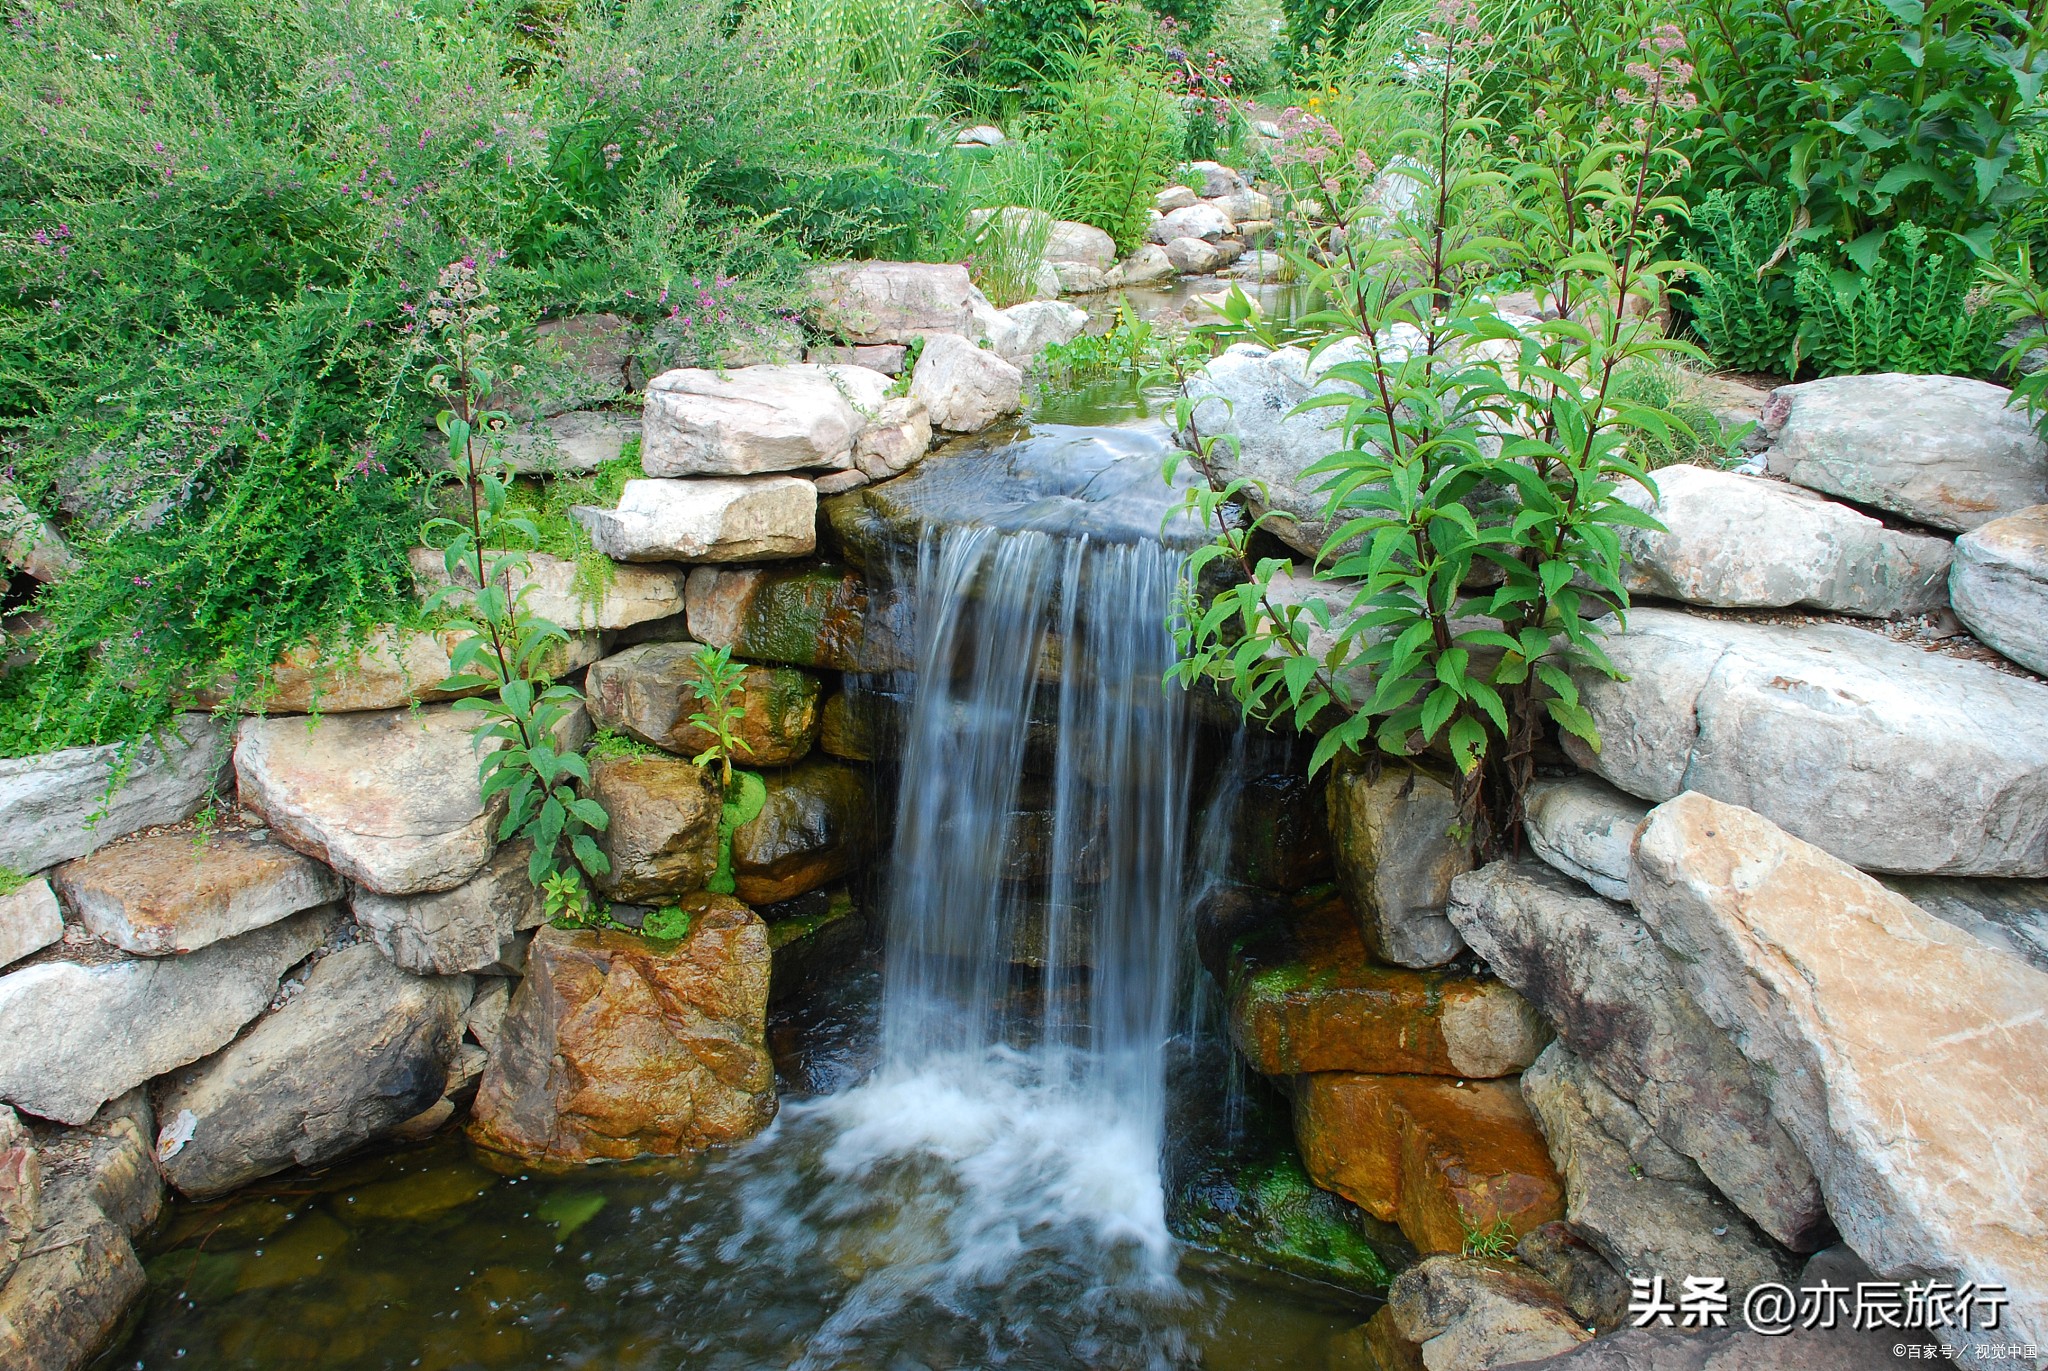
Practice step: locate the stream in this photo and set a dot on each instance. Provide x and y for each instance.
(992, 1119)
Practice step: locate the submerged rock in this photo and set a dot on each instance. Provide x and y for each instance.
(361, 1049)
(1396, 858)
(1941, 450)
(1447, 1160)
(1304, 997)
(56, 805)
(1889, 757)
(79, 1034)
(1593, 969)
(1873, 1024)
(159, 896)
(616, 1047)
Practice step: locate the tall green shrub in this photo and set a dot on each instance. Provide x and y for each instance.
(1912, 312)
(1743, 307)
(1118, 134)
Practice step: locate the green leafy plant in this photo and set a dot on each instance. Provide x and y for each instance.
(1475, 502)
(1913, 311)
(718, 686)
(1132, 346)
(506, 645)
(1695, 435)
(2019, 293)
(1116, 131)
(670, 923)
(1496, 1240)
(1744, 307)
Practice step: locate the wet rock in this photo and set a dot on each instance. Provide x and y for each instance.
(663, 838)
(1396, 859)
(814, 938)
(1999, 585)
(1472, 1313)
(109, 1163)
(844, 731)
(1447, 1160)
(1304, 997)
(361, 1049)
(1193, 256)
(615, 1047)
(890, 302)
(1081, 243)
(811, 616)
(1740, 541)
(392, 668)
(1593, 969)
(1872, 1023)
(646, 693)
(160, 896)
(80, 1034)
(64, 1301)
(568, 596)
(473, 927)
(486, 1013)
(29, 920)
(574, 443)
(964, 388)
(1020, 333)
(811, 831)
(1584, 828)
(48, 802)
(390, 800)
(894, 440)
(1280, 837)
(732, 519)
(2012, 915)
(1593, 1290)
(1941, 450)
(1641, 1202)
(1148, 266)
(1889, 757)
(756, 420)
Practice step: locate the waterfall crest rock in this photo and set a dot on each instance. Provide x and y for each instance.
(614, 1047)
(1593, 969)
(160, 896)
(1891, 758)
(361, 1049)
(1873, 1022)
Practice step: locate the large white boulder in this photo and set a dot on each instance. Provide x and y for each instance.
(1021, 332)
(81, 1032)
(1907, 1058)
(1738, 541)
(756, 419)
(1999, 585)
(55, 805)
(712, 519)
(1083, 244)
(1942, 450)
(1889, 757)
(389, 799)
(1148, 266)
(1194, 256)
(964, 388)
(1215, 178)
(1203, 221)
(891, 302)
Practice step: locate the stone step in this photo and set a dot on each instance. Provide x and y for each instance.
(170, 894)
(1304, 997)
(1449, 1161)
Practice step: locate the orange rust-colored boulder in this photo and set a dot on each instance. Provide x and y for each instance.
(1445, 1160)
(1306, 998)
(618, 1047)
